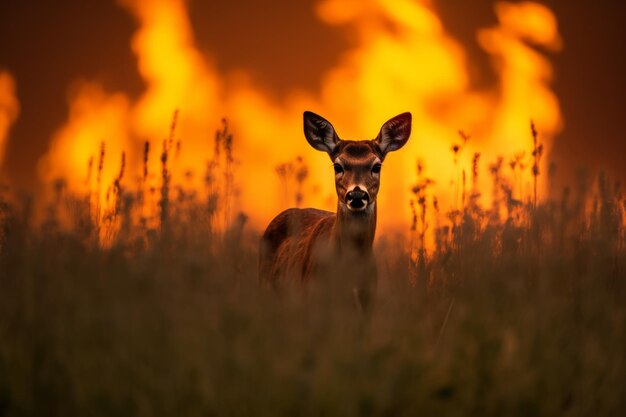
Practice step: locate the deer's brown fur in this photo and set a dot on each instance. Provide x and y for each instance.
(301, 244)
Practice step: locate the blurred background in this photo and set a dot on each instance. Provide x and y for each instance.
(70, 59)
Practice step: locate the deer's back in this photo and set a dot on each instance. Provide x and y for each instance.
(289, 241)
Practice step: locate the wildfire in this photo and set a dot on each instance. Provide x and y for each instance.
(9, 109)
(403, 61)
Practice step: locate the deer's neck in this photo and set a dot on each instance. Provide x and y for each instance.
(354, 231)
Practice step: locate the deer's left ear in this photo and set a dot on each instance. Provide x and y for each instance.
(394, 133)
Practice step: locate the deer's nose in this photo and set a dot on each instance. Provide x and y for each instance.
(357, 199)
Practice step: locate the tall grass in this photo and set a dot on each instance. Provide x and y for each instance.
(150, 305)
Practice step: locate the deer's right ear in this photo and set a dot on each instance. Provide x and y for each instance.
(319, 132)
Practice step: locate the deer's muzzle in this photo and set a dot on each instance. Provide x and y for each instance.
(357, 199)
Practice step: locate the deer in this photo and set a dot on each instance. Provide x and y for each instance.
(308, 244)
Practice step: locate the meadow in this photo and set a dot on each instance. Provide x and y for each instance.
(150, 305)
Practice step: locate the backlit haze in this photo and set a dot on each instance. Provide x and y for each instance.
(400, 58)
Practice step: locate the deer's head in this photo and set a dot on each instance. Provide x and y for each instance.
(357, 164)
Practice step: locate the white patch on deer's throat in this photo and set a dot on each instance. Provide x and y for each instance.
(357, 209)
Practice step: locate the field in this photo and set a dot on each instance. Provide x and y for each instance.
(515, 309)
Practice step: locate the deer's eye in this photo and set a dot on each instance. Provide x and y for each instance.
(338, 168)
(376, 169)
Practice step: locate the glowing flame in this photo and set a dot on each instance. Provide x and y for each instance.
(9, 109)
(95, 117)
(404, 61)
(177, 77)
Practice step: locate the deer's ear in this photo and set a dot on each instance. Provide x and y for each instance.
(394, 133)
(319, 132)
